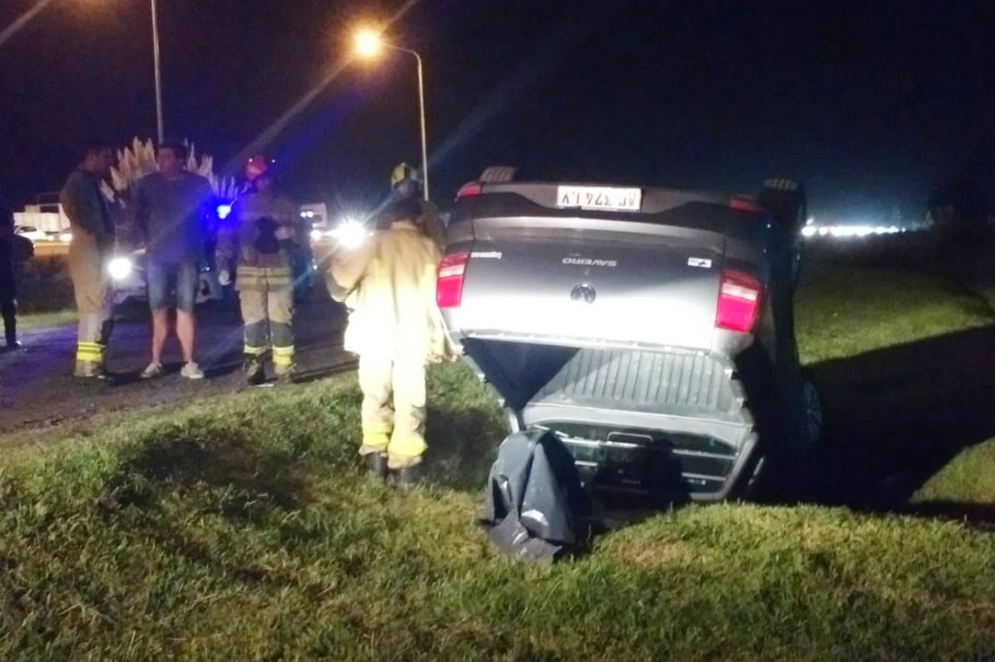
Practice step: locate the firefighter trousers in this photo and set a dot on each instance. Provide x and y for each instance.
(92, 287)
(393, 411)
(266, 298)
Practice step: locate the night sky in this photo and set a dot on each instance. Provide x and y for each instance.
(869, 105)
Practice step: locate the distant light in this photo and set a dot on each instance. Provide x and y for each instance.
(808, 231)
(223, 211)
(66, 237)
(316, 235)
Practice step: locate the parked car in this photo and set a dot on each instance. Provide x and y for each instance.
(128, 274)
(30, 232)
(651, 329)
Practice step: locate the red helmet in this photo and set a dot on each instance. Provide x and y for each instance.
(256, 167)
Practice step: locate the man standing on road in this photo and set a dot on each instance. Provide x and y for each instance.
(257, 238)
(8, 285)
(396, 329)
(89, 252)
(406, 184)
(172, 208)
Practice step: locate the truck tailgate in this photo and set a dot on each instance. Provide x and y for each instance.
(592, 282)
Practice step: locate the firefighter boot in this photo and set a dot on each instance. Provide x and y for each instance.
(253, 367)
(407, 470)
(374, 455)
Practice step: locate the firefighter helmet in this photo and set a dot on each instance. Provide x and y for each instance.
(404, 173)
(256, 167)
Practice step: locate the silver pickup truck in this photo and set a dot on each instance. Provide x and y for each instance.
(652, 330)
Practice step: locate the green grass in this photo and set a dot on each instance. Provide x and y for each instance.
(241, 528)
(47, 320)
(967, 479)
(845, 312)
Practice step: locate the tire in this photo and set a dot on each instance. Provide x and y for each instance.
(812, 412)
(792, 464)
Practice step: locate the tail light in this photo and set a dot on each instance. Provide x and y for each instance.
(739, 302)
(745, 204)
(449, 288)
(473, 188)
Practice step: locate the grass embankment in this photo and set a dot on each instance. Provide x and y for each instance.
(847, 311)
(242, 529)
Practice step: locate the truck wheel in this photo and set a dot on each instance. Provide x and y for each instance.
(812, 407)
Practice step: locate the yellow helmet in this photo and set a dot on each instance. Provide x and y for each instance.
(402, 173)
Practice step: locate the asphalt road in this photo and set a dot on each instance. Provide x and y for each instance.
(37, 388)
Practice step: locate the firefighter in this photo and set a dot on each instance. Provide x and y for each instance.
(396, 328)
(257, 239)
(406, 184)
(89, 253)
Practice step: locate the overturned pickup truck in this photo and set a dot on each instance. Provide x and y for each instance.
(650, 330)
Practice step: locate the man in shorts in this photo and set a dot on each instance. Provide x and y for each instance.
(172, 207)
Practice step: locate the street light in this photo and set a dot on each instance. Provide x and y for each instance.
(369, 44)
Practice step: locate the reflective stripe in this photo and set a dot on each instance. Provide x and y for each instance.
(376, 428)
(263, 278)
(89, 351)
(407, 445)
(254, 351)
(374, 442)
(283, 356)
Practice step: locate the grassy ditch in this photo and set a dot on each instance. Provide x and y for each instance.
(241, 528)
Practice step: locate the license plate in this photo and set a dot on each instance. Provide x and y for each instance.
(599, 198)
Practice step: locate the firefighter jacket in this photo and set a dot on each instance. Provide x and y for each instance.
(89, 216)
(389, 285)
(257, 238)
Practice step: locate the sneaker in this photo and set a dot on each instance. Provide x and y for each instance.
(192, 371)
(153, 371)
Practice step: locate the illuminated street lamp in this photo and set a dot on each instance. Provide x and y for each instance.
(369, 44)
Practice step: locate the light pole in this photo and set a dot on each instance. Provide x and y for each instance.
(158, 77)
(368, 45)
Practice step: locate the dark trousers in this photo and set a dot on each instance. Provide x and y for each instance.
(8, 305)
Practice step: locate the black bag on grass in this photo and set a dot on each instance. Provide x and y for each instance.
(536, 505)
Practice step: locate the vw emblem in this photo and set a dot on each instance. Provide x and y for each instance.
(583, 293)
